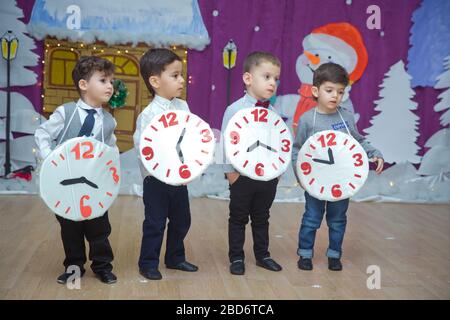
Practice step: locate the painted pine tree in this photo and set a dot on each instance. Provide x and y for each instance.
(436, 160)
(394, 129)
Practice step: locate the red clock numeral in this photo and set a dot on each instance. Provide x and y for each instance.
(306, 168)
(206, 135)
(87, 154)
(358, 158)
(331, 136)
(148, 153)
(286, 145)
(171, 117)
(85, 209)
(184, 172)
(260, 115)
(235, 137)
(259, 169)
(336, 191)
(114, 174)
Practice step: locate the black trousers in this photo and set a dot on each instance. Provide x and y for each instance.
(162, 202)
(96, 232)
(252, 198)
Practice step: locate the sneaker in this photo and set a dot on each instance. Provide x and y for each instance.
(334, 264)
(305, 264)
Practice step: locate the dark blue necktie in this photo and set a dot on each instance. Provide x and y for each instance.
(88, 124)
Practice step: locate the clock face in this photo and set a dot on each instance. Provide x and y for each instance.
(258, 143)
(80, 179)
(332, 165)
(176, 147)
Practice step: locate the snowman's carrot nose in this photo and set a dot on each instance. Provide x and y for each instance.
(311, 57)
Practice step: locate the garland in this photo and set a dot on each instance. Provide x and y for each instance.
(120, 94)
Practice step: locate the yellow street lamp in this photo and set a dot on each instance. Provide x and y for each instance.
(9, 47)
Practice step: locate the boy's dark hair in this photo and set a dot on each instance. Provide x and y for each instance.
(87, 65)
(330, 72)
(257, 57)
(153, 63)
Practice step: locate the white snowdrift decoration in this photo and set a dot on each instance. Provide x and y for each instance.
(24, 118)
(156, 22)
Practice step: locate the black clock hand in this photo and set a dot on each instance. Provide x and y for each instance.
(178, 147)
(267, 147)
(69, 182)
(321, 161)
(89, 183)
(330, 156)
(253, 146)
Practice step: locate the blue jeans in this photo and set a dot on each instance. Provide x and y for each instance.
(312, 218)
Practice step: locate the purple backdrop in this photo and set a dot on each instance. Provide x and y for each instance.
(282, 27)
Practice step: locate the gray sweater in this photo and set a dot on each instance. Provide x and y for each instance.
(333, 121)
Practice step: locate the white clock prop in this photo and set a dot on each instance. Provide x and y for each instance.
(176, 147)
(332, 165)
(80, 179)
(258, 143)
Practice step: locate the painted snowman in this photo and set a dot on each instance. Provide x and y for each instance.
(335, 42)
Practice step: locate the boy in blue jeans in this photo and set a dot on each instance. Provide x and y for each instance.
(329, 82)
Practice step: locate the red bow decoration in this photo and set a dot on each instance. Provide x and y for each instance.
(264, 104)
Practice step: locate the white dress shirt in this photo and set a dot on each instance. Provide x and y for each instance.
(158, 105)
(50, 129)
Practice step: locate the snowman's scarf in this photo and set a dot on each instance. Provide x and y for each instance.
(305, 103)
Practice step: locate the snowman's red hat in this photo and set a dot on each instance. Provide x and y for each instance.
(350, 35)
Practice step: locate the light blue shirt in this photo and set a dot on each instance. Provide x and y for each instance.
(247, 101)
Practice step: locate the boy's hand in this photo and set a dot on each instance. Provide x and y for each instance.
(380, 164)
(232, 177)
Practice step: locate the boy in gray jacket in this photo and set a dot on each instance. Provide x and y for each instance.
(329, 82)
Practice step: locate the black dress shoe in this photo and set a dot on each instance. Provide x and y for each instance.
(184, 266)
(237, 267)
(62, 279)
(334, 264)
(269, 264)
(107, 277)
(151, 274)
(305, 263)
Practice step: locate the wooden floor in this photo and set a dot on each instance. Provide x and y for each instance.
(409, 243)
